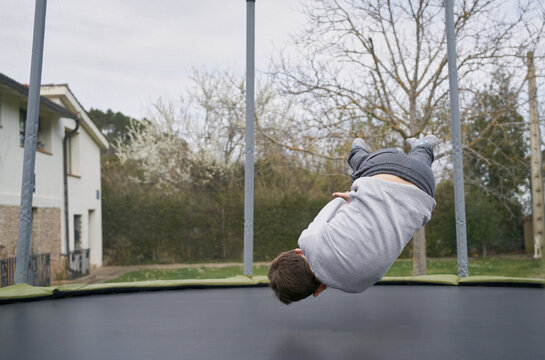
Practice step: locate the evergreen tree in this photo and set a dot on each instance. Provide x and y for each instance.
(496, 148)
(114, 125)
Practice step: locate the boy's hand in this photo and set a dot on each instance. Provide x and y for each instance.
(343, 195)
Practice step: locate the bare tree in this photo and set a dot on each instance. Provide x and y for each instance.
(378, 69)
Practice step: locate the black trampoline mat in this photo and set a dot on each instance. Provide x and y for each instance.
(385, 322)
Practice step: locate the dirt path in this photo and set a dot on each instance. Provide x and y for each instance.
(106, 273)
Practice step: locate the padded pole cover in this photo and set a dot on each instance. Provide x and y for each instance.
(24, 240)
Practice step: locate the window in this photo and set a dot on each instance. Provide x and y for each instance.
(42, 141)
(72, 154)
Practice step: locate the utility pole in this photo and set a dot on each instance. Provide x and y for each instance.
(535, 160)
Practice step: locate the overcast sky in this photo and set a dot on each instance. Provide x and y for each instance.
(124, 54)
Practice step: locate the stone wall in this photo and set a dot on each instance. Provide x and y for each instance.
(46, 234)
(9, 222)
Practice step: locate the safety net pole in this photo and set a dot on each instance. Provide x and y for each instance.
(459, 200)
(249, 166)
(24, 240)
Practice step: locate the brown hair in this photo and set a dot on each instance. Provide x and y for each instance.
(291, 278)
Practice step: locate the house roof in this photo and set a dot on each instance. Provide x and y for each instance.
(13, 86)
(65, 96)
(60, 100)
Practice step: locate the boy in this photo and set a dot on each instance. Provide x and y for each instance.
(356, 237)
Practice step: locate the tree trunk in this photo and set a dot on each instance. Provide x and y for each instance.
(223, 245)
(419, 252)
(419, 238)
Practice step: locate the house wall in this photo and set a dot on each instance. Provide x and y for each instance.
(46, 231)
(46, 234)
(82, 195)
(47, 200)
(48, 166)
(48, 222)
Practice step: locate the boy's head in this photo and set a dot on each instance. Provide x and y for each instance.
(291, 278)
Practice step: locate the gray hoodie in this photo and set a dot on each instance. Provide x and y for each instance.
(351, 245)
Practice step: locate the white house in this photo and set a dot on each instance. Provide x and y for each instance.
(55, 226)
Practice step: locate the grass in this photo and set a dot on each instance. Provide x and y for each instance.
(187, 273)
(495, 266)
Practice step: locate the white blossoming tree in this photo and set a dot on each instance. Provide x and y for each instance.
(200, 137)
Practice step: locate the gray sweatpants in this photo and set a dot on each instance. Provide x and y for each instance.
(414, 167)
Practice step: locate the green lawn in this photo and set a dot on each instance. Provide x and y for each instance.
(497, 266)
(193, 273)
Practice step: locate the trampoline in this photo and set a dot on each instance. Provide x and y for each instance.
(241, 319)
(385, 322)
